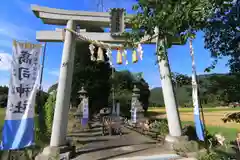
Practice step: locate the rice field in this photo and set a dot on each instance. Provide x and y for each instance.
(212, 116)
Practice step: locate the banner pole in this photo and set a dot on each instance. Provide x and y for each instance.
(41, 122)
(43, 62)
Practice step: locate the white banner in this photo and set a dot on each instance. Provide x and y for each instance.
(18, 129)
(85, 108)
(24, 82)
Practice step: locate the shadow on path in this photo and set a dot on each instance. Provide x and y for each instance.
(122, 154)
(89, 150)
(91, 141)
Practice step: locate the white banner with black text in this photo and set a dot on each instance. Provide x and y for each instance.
(18, 129)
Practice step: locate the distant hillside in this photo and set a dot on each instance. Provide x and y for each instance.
(183, 93)
(183, 96)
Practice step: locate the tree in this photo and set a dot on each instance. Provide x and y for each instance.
(53, 88)
(3, 96)
(222, 36)
(214, 90)
(144, 93)
(226, 88)
(94, 76)
(179, 79)
(41, 98)
(156, 97)
(3, 90)
(222, 39)
(123, 84)
(181, 16)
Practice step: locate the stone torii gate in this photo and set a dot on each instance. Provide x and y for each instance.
(92, 24)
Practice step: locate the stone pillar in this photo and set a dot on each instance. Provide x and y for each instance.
(118, 108)
(114, 109)
(174, 124)
(60, 121)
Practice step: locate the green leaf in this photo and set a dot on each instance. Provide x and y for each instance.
(135, 7)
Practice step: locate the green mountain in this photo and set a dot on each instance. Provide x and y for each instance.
(184, 93)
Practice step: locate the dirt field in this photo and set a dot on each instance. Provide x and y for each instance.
(212, 117)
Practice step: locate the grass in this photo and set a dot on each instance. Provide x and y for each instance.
(229, 133)
(191, 109)
(2, 116)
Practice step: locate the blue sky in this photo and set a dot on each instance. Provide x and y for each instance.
(18, 22)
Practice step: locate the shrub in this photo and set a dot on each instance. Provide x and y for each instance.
(160, 126)
(41, 99)
(209, 156)
(190, 131)
(49, 113)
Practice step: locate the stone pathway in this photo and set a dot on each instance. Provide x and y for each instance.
(130, 144)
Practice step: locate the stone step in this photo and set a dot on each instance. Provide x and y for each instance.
(149, 156)
(110, 152)
(152, 134)
(86, 134)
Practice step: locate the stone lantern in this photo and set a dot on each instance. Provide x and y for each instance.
(82, 96)
(136, 104)
(82, 93)
(136, 92)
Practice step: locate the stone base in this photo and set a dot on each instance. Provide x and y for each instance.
(57, 153)
(171, 141)
(182, 146)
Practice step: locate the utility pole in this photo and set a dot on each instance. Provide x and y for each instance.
(100, 6)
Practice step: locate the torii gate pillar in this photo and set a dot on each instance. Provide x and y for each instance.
(60, 120)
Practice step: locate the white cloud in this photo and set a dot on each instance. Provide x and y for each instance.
(54, 72)
(9, 31)
(5, 61)
(46, 86)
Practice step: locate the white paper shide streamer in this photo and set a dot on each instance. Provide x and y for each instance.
(140, 51)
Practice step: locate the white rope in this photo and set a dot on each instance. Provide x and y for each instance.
(95, 42)
(106, 45)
